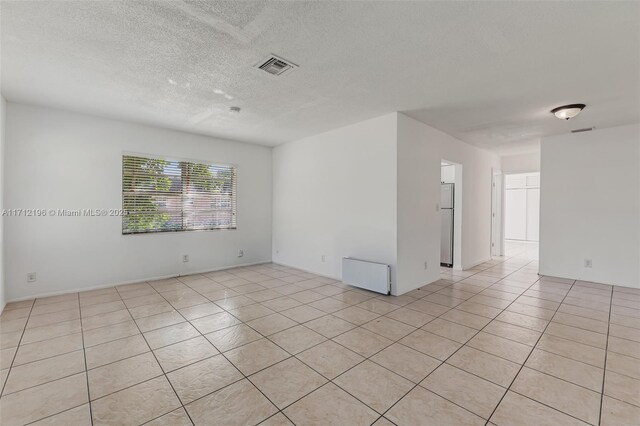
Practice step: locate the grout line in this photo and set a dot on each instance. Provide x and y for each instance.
(606, 352)
(443, 362)
(49, 325)
(74, 374)
(294, 356)
(482, 330)
(52, 380)
(13, 359)
(245, 377)
(86, 370)
(549, 406)
(525, 361)
(164, 373)
(219, 353)
(443, 314)
(172, 306)
(356, 326)
(63, 411)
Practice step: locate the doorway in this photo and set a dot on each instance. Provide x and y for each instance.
(450, 215)
(497, 228)
(521, 209)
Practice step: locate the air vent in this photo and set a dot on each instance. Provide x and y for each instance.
(276, 66)
(586, 129)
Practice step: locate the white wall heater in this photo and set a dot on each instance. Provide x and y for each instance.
(368, 275)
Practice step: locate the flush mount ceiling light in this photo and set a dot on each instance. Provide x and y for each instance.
(567, 112)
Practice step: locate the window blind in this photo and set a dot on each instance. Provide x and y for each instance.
(164, 195)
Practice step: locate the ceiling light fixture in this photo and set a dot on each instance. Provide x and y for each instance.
(567, 112)
(234, 110)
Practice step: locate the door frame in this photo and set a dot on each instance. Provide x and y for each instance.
(457, 212)
(497, 213)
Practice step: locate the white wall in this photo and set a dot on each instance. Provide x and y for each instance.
(419, 174)
(590, 206)
(371, 191)
(457, 217)
(334, 194)
(3, 110)
(420, 151)
(522, 163)
(65, 160)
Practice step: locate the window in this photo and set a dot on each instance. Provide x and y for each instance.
(164, 195)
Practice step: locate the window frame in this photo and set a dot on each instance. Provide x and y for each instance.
(234, 208)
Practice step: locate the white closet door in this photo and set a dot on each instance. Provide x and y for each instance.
(515, 226)
(515, 181)
(533, 214)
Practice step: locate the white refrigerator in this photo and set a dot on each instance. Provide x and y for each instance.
(446, 224)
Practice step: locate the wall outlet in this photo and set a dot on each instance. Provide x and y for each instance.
(240, 253)
(437, 207)
(31, 277)
(588, 263)
(323, 258)
(425, 264)
(185, 258)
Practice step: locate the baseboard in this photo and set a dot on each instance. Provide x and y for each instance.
(589, 280)
(561, 276)
(159, 277)
(474, 264)
(420, 285)
(308, 271)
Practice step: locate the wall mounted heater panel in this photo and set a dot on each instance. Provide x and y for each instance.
(367, 275)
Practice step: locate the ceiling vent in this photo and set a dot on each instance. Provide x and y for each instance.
(276, 66)
(586, 129)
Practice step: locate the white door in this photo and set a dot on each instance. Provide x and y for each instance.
(522, 207)
(515, 221)
(533, 214)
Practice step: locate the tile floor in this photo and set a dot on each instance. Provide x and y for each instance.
(268, 344)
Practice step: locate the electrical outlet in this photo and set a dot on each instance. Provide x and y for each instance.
(31, 277)
(437, 207)
(185, 258)
(588, 263)
(240, 253)
(425, 264)
(323, 258)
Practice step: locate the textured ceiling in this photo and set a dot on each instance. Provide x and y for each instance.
(486, 72)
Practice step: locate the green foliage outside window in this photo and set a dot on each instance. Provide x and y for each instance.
(143, 177)
(160, 195)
